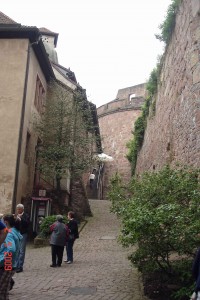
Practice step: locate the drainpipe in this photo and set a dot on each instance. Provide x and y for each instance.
(14, 200)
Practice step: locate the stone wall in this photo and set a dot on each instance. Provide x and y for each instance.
(173, 134)
(131, 97)
(116, 122)
(125, 93)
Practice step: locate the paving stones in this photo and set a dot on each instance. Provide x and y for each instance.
(83, 290)
(108, 237)
(101, 270)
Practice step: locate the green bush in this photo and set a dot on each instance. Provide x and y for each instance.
(160, 214)
(152, 84)
(135, 144)
(45, 226)
(168, 24)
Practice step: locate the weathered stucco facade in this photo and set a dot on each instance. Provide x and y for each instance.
(116, 121)
(11, 102)
(173, 134)
(27, 165)
(13, 87)
(13, 56)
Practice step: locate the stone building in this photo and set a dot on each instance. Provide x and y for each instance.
(173, 134)
(28, 63)
(116, 121)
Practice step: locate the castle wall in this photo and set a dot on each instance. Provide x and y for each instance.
(123, 100)
(125, 93)
(116, 122)
(173, 134)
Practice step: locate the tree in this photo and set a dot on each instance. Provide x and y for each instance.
(66, 133)
(160, 214)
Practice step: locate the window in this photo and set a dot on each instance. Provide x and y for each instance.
(131, 97)
(27, 150)
(39, 96)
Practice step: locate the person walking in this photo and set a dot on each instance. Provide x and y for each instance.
(24, 223)
(73, 235)
(58, 241)
(9, 252)
(91, 179)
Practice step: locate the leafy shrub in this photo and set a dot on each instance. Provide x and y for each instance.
(135, 144)
(152, 84)
(45, 226)
(168, 24)
(183, 292)
(160, 214)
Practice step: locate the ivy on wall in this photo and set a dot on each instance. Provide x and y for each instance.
(168, 24)
(135, 144)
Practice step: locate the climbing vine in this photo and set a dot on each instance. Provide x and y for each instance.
(135, 144)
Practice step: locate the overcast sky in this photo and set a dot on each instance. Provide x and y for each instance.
(108, 44)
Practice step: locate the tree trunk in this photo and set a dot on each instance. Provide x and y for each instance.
(58, 185)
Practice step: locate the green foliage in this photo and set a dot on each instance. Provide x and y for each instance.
(183, 292)
(66, 132)
(135, 144)
(152, 84)
(160, 214)
(116, 188)
(168, 24)
(45, 226)
(184, 279)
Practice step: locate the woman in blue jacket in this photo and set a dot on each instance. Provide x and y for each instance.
(9, 252)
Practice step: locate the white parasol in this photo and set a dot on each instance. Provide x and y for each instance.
(104, 157)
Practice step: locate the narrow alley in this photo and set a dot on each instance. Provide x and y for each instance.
(100, 269)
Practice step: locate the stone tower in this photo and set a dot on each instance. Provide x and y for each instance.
(116, 121)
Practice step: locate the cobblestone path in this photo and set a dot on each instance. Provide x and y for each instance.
(100, 269)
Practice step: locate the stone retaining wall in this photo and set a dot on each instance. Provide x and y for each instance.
(173, 134)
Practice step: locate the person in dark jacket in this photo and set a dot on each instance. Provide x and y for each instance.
(73, 235)
(24, 223)
(58, 241)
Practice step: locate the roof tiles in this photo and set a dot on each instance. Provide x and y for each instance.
(5, 19)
